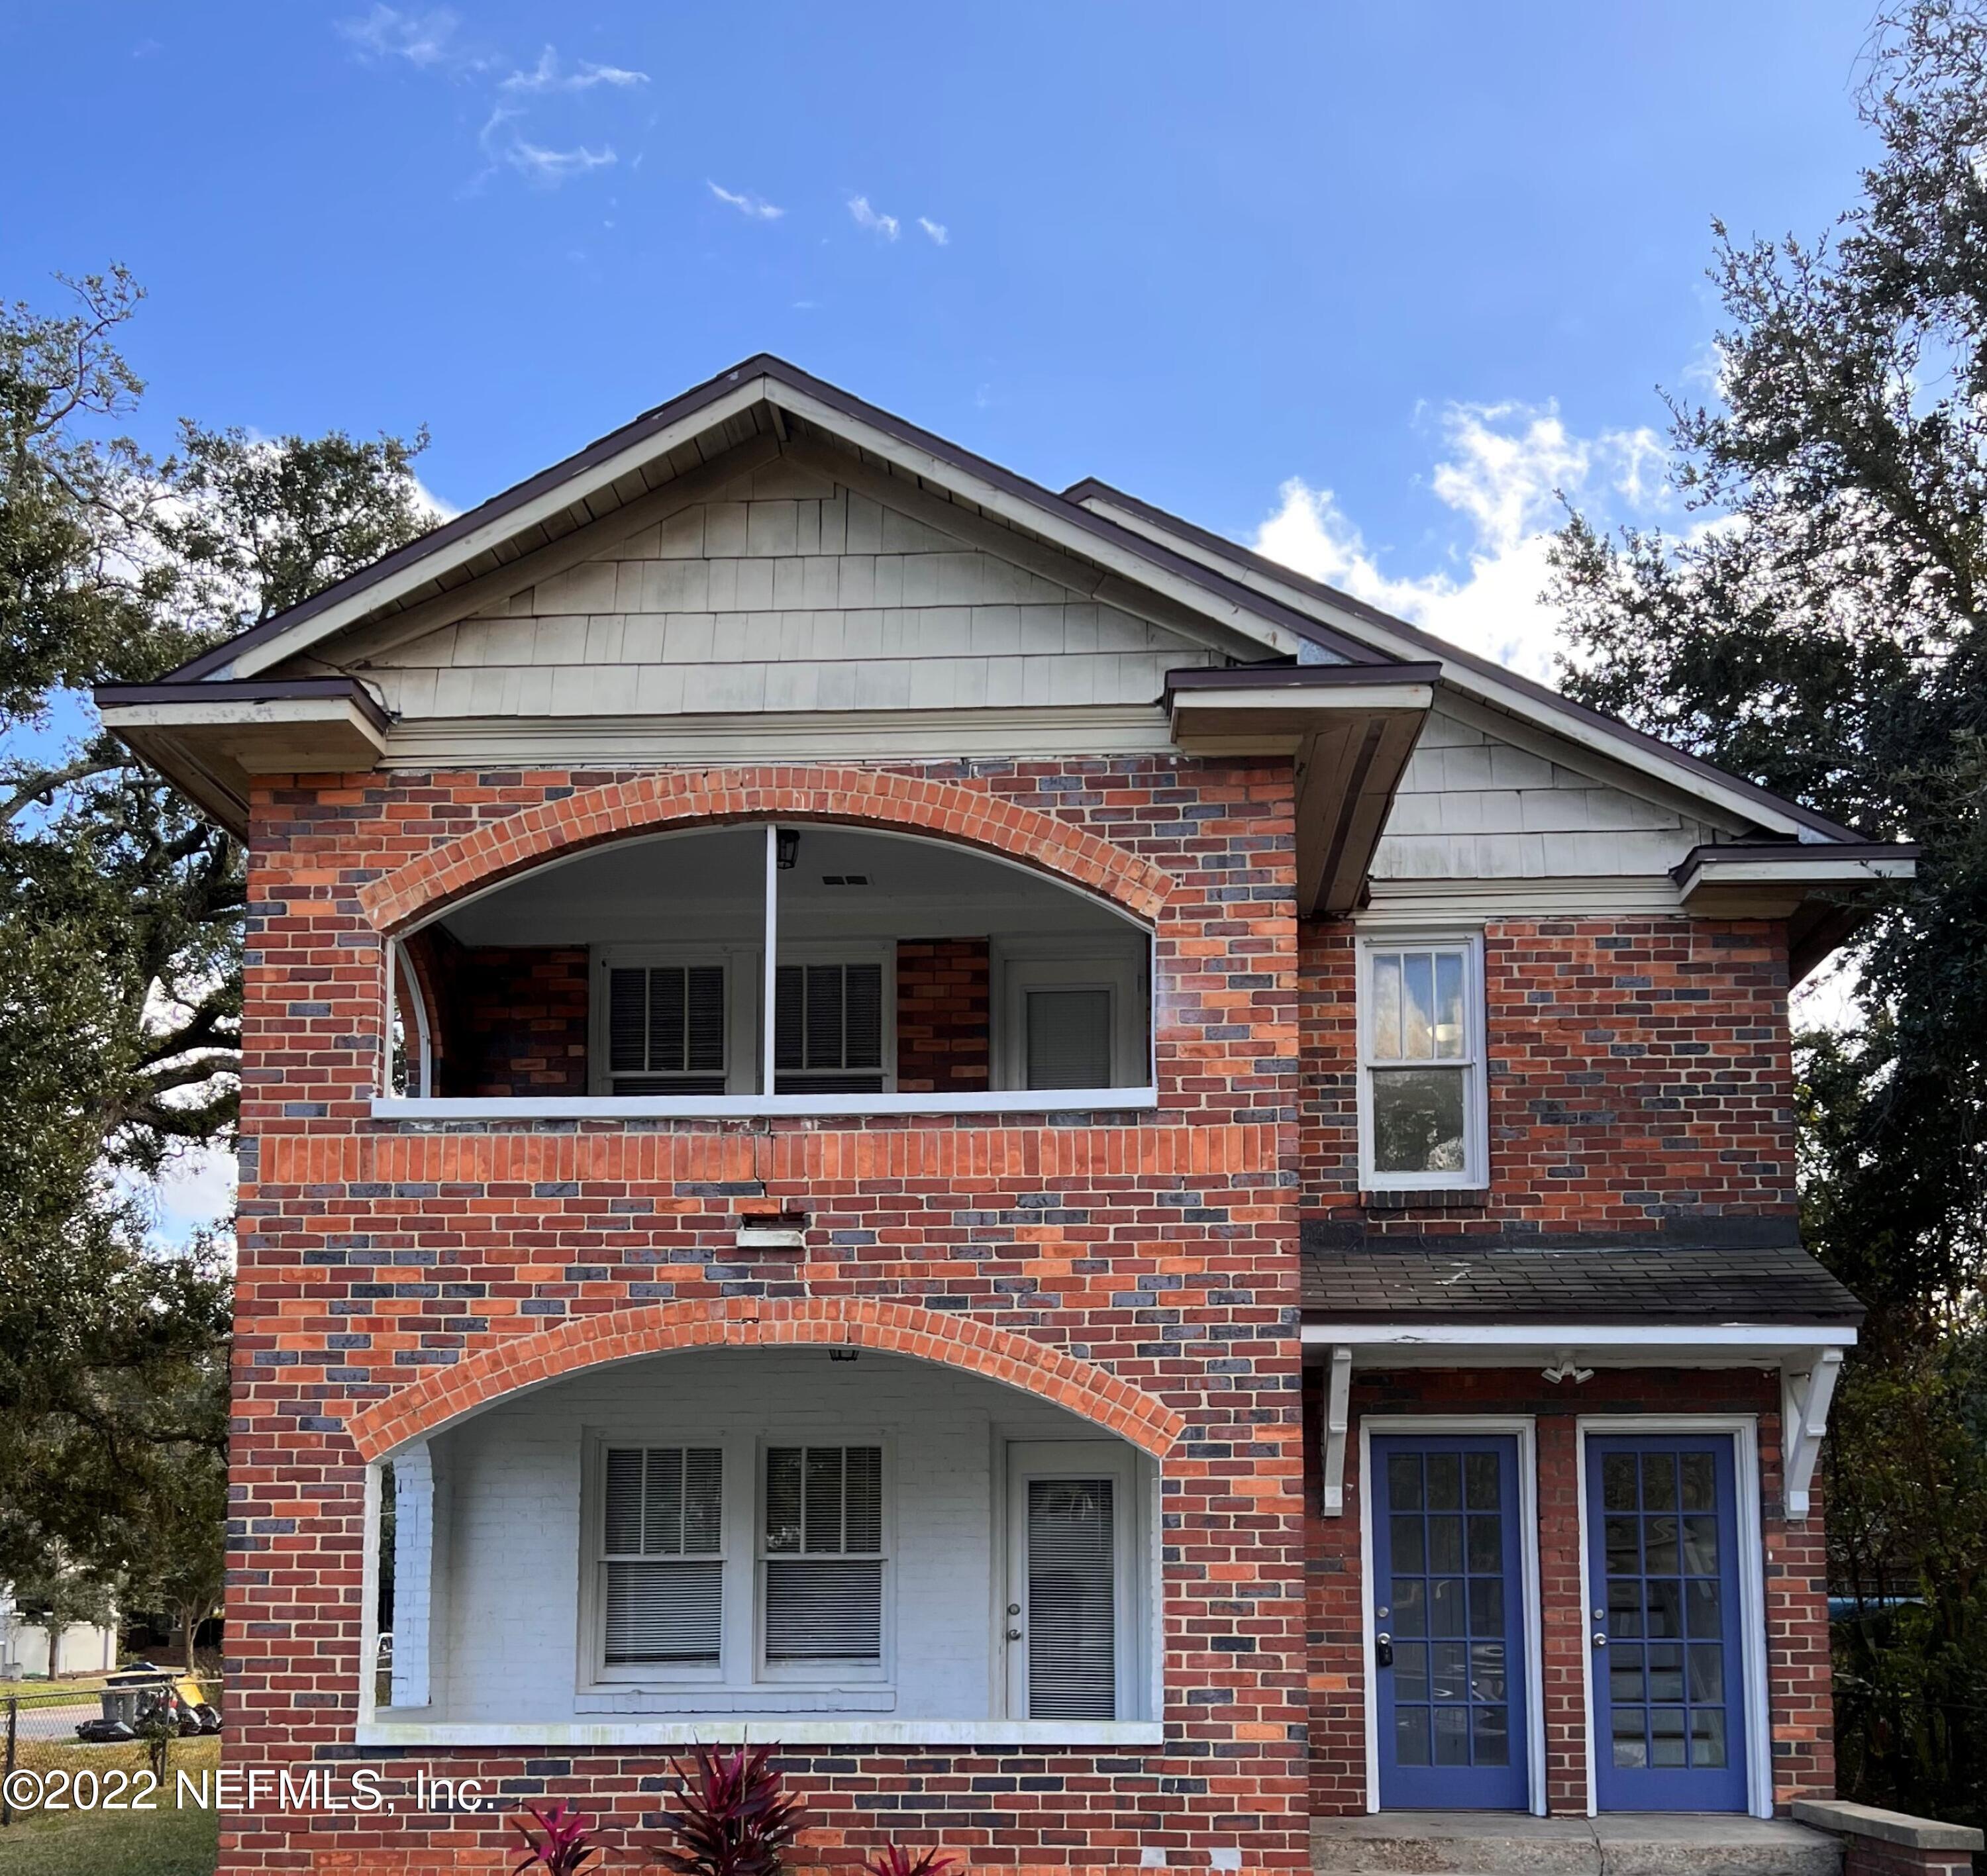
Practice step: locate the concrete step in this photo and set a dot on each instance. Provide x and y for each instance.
(1499, 1844)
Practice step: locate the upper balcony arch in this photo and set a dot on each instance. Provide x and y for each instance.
(701, 946)
(411, 895)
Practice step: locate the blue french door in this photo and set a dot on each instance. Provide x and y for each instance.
(1448, 1641)
(1668, 1694)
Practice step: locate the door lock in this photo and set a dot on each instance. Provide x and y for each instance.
(1383, 1651)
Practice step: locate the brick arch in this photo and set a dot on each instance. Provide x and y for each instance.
(649, 803)
(445, 1395)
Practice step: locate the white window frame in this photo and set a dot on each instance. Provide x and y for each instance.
(826, 1674)
(1475, 1174)
(596, 1558)
(1021, 965)
(882, 951)
(742, 1682)
(740, 965)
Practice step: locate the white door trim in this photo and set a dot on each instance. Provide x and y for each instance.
(1743, 1430)
(1525, 1427)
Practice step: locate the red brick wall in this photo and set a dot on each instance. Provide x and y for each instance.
(516, 1021)
(1640, 1070)
(1796, 1586)
(944, 1015)
(1161, 1247)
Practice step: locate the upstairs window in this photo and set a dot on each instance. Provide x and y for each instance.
(1422, 1107)
(830, 1027)
(666, 1029)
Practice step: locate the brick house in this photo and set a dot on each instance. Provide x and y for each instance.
(1251, 1275)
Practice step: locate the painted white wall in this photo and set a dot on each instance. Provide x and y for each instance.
(82, 1647)
(504, 1616)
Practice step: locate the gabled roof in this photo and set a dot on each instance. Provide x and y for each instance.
(1493, 683)
(755, 405)
(704, 424)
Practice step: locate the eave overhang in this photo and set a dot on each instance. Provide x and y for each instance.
(1823, 892)
(1350, 728)
(212, 739)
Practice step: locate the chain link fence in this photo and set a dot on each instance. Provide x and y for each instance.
(46, 1761)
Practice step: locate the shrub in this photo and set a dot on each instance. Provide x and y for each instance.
(732, 1815)
(566, 1842)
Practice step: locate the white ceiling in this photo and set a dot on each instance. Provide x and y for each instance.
(710, 884)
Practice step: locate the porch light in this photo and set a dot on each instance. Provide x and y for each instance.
(786, 845)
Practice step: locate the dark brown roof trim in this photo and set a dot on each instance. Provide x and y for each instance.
(245, 690)
(1793, 852)
(765, 364)
(1281, 676)
(1091, 487)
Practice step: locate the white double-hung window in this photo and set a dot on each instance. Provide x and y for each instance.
(731, 1563)
(1423, 1111)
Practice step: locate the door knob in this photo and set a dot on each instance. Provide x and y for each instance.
(1600, 1640)
(1013, 1635)
(1383, 1651)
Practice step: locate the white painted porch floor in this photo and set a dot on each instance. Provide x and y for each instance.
(1637, 1843)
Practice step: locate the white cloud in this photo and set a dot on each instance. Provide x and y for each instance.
(757, 207)
(504, 145)
(1504, 467)
(867, 217)
(195, 1188)
(546, 76)
(936, 230)
(423, 39)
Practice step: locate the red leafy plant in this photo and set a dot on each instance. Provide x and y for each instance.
(893, 1859)
(563, 1841)
(733, 1816)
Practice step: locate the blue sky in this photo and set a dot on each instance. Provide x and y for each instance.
(1363, 284)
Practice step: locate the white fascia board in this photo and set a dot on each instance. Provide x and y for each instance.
(781, 1729)
(1468, 679)
(498, 529)
(1823, 869)
(1342, 698)
(753, 1106)
(1585, 1336)
(222, 712)
(1018, 512)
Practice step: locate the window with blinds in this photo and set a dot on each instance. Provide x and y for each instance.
(1069, 1038)
(666, 1029)
(662, 1555)
(828, 1029)
(1072, 1599)
(823, 1567)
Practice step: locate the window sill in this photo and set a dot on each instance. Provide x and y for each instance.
(751, 1107)
(1424, 1198)
(781, 1729)
(637, 1701)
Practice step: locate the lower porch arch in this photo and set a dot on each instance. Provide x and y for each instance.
(444, 1396)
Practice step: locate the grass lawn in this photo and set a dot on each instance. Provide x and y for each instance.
(165, 1842)
(160, 1842)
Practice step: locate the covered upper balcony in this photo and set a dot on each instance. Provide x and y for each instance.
(903, 974)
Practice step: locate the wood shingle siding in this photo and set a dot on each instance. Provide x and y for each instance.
(783, 601)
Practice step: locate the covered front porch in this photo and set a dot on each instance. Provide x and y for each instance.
(818, 1544)
(1567, 1557)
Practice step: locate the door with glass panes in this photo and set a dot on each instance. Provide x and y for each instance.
(1068, 1626)
(1664, 1632)
(1448, 1643)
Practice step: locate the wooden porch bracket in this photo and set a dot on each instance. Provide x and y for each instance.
(1805, 1396)
(1338, 1393)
